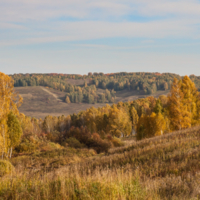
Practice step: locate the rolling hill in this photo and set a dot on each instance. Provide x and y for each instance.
(41, 101)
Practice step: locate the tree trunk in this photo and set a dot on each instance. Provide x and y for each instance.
(10, 152)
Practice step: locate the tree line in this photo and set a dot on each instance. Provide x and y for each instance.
(98, 128)
(145, 83)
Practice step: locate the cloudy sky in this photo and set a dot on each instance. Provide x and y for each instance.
(80, 36)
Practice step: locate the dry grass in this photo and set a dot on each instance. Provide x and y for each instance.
(165, 167)
(39, 103)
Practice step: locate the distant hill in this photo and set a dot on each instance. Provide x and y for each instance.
(42, 101)
(94, 89)
(99, 87)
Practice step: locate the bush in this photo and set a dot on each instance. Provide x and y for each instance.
(26, 146)
(117, 142)
(99, 145)
(73, 142)
(5, 167)
(94, 141)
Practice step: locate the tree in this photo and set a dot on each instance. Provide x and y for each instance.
(190, 99)
(134, 118)
(67, 100)
(119, 122)
(179, 117)
(158, 108)
(14, 132)
(9, 101)
(151, 125)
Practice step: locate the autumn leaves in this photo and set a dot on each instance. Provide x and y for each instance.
(184, 104)
(181, 109)
(10, 130)
(146, 117)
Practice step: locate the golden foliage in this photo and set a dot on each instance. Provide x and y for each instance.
(9, 101)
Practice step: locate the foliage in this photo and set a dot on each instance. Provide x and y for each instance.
(5, 167)
(73, 142)
(183, 104)
(164, 167)
(146, 83)
(14, 131)
(9, 101)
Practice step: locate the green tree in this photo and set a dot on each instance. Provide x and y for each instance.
(14, 132)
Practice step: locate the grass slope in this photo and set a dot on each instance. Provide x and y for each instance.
(165, 167)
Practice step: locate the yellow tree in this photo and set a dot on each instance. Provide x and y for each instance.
(159, 123)
(89, 118)
(67, 100)
(9, 101)
(142, 127)
(119, 122)
(190, 99)
(151, 125)
(178, 116)
(134, 118)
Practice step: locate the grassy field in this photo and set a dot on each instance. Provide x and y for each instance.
(40, 101)
(164, 167)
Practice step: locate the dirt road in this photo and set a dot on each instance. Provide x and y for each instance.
(54, 95)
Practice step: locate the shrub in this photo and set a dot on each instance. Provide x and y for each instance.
(117, 142)
(99, 145)
(73, 142)
(26, 146)
(93, 141)
(5, 167)
(54, 145)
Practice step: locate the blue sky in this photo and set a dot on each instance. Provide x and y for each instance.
(82, 36)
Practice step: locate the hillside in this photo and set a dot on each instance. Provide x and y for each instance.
(163, 167)
(40, 101)
(129, 150)
(99, 87)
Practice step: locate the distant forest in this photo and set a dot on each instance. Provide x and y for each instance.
(146, 83)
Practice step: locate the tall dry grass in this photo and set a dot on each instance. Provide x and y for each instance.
(166, 167)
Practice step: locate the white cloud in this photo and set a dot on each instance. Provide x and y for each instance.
(23, 10)
(36, 21)
(87, 30)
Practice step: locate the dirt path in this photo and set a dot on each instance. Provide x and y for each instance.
(54, 95)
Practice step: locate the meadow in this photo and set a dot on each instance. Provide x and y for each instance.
(41, 101)
(163, 167)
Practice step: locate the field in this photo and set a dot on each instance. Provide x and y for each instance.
(41, 101)
(164, 167)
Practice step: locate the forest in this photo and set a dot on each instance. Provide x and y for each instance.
(145, 83)
(101, 131)
(100, 128)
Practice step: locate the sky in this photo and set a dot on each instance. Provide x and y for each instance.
(81, 36)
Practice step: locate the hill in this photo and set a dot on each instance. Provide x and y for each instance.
(163, 167)
(99, 87)
(41, 101)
